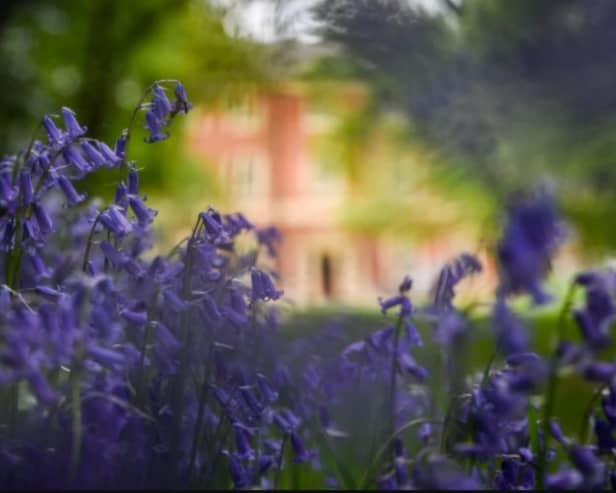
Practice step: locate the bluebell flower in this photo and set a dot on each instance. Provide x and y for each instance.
(599, 312)
(114, 256)
(115, 221)
(587, 463)
(238, 474)
(532, 235)
(7, 191)
(144, 214)
(262, 286)
(154, 126)
(605, 437)
(72, 126)
(608, 404)
(451, 274)
(72, 197)
(26, 189)
(300, 453)
(567, 479)
(214, 227)
(161, 106)
(268, 393)
(512, 336)
(400, 300)
(54, 135)
(270, 237)
(94, 157)
(181, 103)
(43, 219)
(110, 157)
(133, 182)
(139, 318)
(48, 292)
(73, 156)
(242, 442)
(173, 301)
(121, 196)
(120, 146)
(599, 371)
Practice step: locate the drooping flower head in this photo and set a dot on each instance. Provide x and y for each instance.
(533, 232)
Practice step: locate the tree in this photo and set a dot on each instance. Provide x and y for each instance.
(510, 91)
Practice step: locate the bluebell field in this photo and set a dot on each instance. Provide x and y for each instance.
(121, 369)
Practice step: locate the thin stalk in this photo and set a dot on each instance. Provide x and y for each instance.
(178, 398)
(76, 403)
(138, 107)
(142, 383)
(375, 461)
(583, 431)
(393, 378)
(255, 477)
(285, 439)
(24, 160)
(203, 396)
(551, 387)
(214, 450)
(86, 255)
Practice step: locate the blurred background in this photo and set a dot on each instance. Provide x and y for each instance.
(381, 137)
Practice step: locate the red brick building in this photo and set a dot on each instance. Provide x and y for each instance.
(263, 159)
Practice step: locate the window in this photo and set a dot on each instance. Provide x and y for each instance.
(326, 180)
(247, 175)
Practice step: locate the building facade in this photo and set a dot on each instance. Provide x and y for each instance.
(263, 160)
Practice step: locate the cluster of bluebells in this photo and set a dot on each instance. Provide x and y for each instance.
(123, 370)
(118, 370)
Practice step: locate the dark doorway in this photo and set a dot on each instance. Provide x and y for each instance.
(326, 276)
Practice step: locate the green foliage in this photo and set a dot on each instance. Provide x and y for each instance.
(99, 56)
(490, 86)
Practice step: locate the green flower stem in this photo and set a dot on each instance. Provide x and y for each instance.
(86, 255)
(139, 106)
(283, 447)
(583, 431)
(548, 408)
(142, 377)
(203, 397)
(393, 377)
(179, 387)
(376, 459)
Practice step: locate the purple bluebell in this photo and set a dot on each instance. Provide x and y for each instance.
(69, 191)
(139, 318)
(451, 274)
(43, 219)
(154, 126)
(512, 336)
(270, 237)
(532, 234)
(599, 371)
(73, 156)
(7, 191)
(71, 124)
(26, 190)
(93, 156)
(262, 286)
(181, 103)
(161, 105)
(114, 256)
(144, 214)
(120, 146)
(133, 182)
(595, 318)
(115, 221)
(54, 134)
(110, 157)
